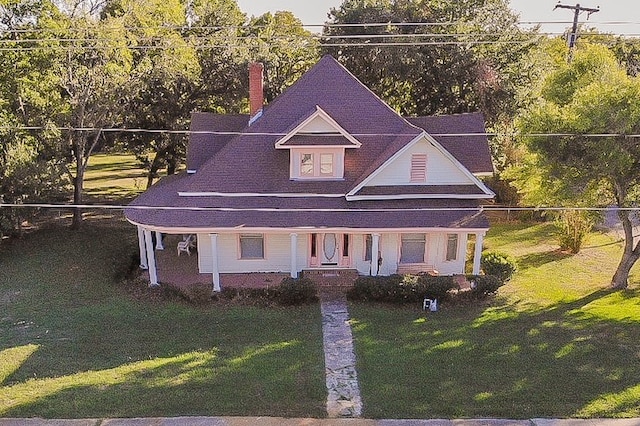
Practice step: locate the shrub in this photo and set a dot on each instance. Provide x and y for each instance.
(247, 296)
(484, 286)
(198, 294)
(374, 289)
(499, 265)
(438, 287)
(573, 227)
(401, 289)
(296, 291)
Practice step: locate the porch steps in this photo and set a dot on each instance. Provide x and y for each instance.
(331, 277)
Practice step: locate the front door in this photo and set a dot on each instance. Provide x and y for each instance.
(330, 250)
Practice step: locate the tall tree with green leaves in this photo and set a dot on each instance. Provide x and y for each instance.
(31, 169)
(71, 69)
(426, 59)
(284, 46)
(593, 95)
(165, 72)
(89, 73)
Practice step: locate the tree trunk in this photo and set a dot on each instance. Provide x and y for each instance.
(78, 181)
(620, 278)
(630, 254)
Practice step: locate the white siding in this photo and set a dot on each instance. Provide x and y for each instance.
(318, 124)
(438, 253)
(277, 248)
(440, 169)
(388, 253)
(390, 247)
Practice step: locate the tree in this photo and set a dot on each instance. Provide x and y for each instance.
(25, 176)
(437, 66)
(593, 95)
(285, 48)
(190, 62)
(164, 75)
(89, 74)
(68, 80)
(30, 172)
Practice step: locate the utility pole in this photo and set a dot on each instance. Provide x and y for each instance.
(577, 10)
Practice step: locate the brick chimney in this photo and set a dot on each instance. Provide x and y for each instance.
(256, 89)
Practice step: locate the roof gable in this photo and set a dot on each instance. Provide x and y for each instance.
(449, 172)
(318, 129)
(250, 163)
(463, 135)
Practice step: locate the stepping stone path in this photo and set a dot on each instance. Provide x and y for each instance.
(339, 358)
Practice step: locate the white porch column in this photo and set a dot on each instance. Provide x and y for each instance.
(143, 249)
(159, 245)
(294, 255)
(477, 253)
(151, 258)
(375, 248)
(215, 271)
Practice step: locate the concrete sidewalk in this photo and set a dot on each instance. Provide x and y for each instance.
(280, 421)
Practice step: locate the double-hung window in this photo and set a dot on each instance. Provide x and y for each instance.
(368, 247)
(306, 165)
(251, 246)
(317, 165)
(412, 248)
(326, 164)
(452, 247)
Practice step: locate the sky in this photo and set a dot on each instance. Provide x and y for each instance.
(314, 12)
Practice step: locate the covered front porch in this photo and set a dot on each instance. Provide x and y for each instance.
(180, 269)
(262, 259)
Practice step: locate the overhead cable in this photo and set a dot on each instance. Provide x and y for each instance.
(249, 133)
(482, 208)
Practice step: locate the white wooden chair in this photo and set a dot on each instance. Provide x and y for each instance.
(188, 242)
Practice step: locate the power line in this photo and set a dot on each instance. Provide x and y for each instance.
(483, 208)
(188, 28)
(273, 37)
(249, 133)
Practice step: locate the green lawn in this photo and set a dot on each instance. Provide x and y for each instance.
(114, 177)
(74, 344)
(556, 342)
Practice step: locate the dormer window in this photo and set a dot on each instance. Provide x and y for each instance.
(306, 165)
(320, 163)
(326, 164)
(317, 147)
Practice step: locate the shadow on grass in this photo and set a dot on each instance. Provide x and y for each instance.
(111, 195)
(75, 344)
(559, 361)
(521, 232)
(259, 380)
(534, 260)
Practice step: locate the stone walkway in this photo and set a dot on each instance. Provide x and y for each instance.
(339, 357)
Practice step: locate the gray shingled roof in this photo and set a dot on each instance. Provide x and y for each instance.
(302, 212)
(203, 146)
(249, 163)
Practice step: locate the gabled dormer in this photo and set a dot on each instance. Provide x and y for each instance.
(317, 147)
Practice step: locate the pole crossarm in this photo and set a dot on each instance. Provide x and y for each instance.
(574, 31)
